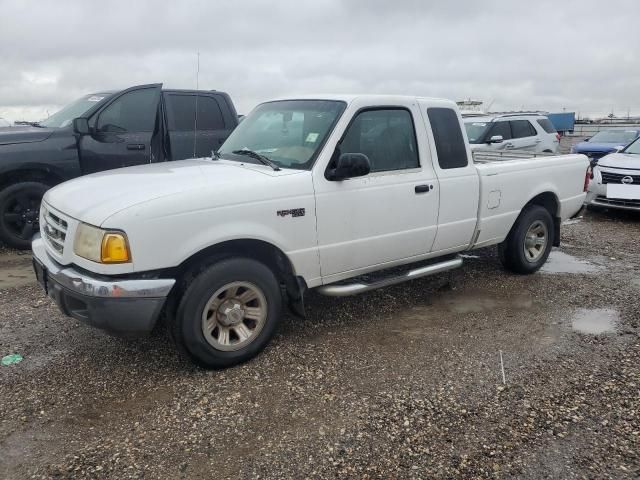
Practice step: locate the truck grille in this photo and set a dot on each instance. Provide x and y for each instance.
(54, 229)
(610, 177)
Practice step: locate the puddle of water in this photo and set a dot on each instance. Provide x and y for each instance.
(481, 301)
(16, 276)
(595, 322)
(560, 262)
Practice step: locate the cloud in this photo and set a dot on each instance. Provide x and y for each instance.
(579, 55)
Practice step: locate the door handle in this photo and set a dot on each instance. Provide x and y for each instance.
(508, 145)
(135, 146)
(423, 188)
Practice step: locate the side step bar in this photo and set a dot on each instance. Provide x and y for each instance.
(344, 290)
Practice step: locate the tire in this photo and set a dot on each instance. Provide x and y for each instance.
(529, 243)
(214, 339)
(19, 213)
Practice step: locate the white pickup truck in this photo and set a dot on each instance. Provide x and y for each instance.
(306, 193)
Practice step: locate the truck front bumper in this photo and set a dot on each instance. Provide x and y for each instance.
(119, 306)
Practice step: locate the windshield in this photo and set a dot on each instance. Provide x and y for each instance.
(633, 148)
(475, 131)
(289, 132)
(75, 109)
(621, 137)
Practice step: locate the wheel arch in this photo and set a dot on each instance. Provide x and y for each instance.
(273, 257)
(549, 201)
(31, 172)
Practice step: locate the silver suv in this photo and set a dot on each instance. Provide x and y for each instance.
(512, 131)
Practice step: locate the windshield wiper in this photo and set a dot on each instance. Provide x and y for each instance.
(261, 158)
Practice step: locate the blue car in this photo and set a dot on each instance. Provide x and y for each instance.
(605, 142)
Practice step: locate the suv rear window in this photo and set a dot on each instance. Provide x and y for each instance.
(522, 128)
(546, 124)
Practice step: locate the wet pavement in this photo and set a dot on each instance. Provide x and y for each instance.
(404, 382)
(596, 321)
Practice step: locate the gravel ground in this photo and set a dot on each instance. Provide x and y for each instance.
(404, 382)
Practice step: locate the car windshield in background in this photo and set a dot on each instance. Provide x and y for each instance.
(64, 117)
(633, 148)
(622, 137)
(475, 131)
(288, 133)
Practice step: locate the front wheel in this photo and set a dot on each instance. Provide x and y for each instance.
(19, 213)
(228, 313)
(529, 243)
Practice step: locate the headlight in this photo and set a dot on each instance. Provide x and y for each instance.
(100, 245)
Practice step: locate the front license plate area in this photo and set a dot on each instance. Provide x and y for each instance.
(624, 192)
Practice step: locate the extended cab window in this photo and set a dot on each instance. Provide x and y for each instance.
(522, 128)
(452, 152)
(182, 113)
(385, 136)
(132, 112)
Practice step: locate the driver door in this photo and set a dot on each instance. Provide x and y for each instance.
(124, 132)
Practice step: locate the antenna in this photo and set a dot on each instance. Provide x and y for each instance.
(195, 121)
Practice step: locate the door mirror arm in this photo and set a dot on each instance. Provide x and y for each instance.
(496, 139)
(349, 165)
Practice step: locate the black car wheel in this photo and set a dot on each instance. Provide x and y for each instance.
(20, 213)
(529, 243)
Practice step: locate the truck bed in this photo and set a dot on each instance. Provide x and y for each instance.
(510, 180)
(487, 156)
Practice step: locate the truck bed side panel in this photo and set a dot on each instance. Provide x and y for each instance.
(506, 187)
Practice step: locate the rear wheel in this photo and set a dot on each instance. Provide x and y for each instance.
(20, 213)
(529, 243)
(228, 313)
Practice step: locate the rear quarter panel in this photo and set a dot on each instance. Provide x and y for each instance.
(506, 187)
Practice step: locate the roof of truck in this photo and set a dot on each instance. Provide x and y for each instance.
(367, 96)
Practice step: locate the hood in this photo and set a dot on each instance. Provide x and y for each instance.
(595, 147)
(94, 198)
(24, 134)
(627, 161)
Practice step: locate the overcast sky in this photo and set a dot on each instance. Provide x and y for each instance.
(549, 55)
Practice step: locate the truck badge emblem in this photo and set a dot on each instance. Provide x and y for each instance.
(627, 180)
(294, 212)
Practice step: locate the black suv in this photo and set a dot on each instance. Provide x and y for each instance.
(101, 131)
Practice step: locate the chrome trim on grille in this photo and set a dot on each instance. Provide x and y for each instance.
(54, 228)
(611, 177)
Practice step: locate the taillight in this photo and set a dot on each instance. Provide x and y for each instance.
(587, 178)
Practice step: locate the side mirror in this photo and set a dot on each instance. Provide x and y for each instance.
(81, 126)
(496, 139)
(349, 165)
(586, 139)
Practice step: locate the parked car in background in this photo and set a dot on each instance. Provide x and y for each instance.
(616, 180)
(305, 193)
(605, 142)
(102, 131)
(530, 132)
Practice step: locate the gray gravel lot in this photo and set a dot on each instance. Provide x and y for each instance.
(400, 383)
